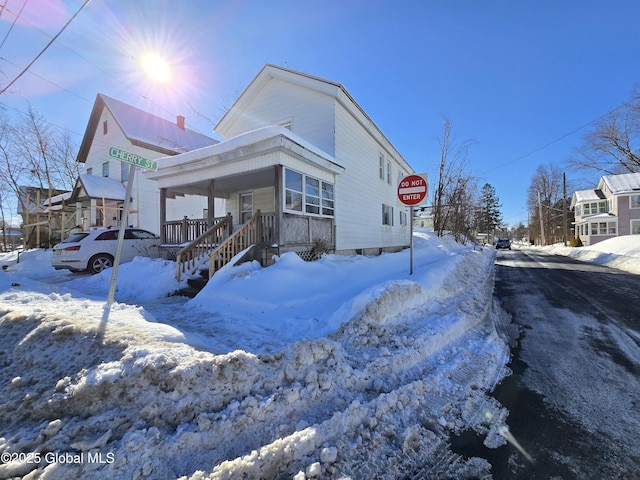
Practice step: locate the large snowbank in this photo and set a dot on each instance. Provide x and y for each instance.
(620, 252)
(347, 367)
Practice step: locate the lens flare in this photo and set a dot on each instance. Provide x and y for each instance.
(156, 68)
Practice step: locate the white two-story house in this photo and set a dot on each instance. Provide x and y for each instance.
(611, 210)
(299, 149)
(98, 197)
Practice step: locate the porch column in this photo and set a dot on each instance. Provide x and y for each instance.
(79, 215)
(93, 212)
(211, 201)
(163, 215)
(277, 188)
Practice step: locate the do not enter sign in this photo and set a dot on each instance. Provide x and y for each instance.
(412, 189)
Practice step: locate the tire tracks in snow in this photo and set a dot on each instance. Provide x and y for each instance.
(408, 378)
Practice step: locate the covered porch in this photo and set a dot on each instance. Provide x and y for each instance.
(268, 177)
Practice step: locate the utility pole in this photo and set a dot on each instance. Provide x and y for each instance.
(564, 208)
(541, 220)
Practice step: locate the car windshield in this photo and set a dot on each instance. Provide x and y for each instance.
(76, 237)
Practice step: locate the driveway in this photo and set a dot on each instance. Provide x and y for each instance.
(574, 396)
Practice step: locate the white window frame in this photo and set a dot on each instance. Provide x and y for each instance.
(124, 172)
(387, 215)
(389, 172)
(634, 201)
(105, 169)
(636, 228)
(608, 227)
(320, 203)
(381, 166)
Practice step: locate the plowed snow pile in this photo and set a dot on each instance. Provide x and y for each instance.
(342, 368)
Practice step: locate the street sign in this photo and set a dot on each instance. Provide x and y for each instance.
(412, 189)
(132, 158)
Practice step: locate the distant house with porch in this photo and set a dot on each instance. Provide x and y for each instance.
(303, 153)
(610, 210)
(99, 193)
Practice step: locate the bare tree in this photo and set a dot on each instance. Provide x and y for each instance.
(37, 155)
(544, 195)
(614, 144)
(449, 192)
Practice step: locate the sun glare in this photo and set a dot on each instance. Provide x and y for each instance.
(156, 68)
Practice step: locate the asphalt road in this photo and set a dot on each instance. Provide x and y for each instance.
(574, 396)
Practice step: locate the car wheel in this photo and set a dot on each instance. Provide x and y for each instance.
(100, 262)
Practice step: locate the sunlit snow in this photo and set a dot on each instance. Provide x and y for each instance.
(347, 367)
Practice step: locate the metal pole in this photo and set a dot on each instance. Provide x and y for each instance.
(411, 241)
(564, 208)
(123, 221)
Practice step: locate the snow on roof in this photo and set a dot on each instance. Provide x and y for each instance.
(150, 129)
(102, 187)
(623, 183)
(248, 138)
(580, 196)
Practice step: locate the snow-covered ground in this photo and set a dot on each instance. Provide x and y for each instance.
(347, 367)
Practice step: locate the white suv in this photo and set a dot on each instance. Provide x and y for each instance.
(95, 249)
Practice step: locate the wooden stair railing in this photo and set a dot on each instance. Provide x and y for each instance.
(190, 256)
(235, 243)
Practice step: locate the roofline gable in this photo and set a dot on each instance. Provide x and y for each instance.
(329, 87)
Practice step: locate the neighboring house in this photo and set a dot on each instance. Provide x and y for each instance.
(423, 217)
(40, 226)
(99, 194)
(10, 239)
(300, 150)
(611, 210)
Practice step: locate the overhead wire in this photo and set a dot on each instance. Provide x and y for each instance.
(15, 19)
(25, 69)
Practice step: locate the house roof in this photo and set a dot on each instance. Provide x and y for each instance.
(142, 129)
(239, 153)
(94, 186)
(623, 183)
(580, 196)
(328, 87)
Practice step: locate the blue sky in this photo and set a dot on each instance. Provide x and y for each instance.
(519, 79)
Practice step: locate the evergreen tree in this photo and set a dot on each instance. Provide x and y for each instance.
(488, 214)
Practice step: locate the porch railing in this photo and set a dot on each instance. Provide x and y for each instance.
(259, 230)
(177, 232)
(191, 256)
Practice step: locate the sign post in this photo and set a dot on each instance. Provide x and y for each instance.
(412, 190)
(134, 161)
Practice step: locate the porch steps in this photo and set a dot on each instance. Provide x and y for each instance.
(195, 284)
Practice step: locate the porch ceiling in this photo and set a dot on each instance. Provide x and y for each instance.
(223, 186)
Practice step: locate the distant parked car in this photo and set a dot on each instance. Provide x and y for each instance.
(95, 249)
(503, 243)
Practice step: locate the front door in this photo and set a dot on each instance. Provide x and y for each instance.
(246, 206)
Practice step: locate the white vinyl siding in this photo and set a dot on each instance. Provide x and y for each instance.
(309, 113)
(361, 191)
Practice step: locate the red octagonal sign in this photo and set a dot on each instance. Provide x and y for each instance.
(412, 189)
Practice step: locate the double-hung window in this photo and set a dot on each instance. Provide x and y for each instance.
(387, 214)
(312, 195)
(634, 201)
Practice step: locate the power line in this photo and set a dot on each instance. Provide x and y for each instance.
(562, 137)
(15, 19)
(24, 70)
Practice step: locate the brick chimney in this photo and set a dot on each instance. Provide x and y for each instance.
(180, 121)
